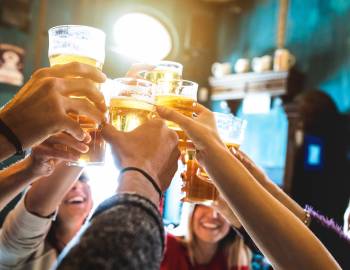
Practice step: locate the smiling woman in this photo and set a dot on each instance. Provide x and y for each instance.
(141, 36)
(208, 243)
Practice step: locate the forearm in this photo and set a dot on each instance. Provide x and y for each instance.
(14, 179)
(260, 214)
(126, 232)
(47, 193)
(283, 198)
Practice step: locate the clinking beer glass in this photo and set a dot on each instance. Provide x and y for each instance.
(197, 186)
(131, 103)
(180, 95)
(164, 71)
(84, 44)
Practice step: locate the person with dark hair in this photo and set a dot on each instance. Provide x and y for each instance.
(279, 234)
(47, 217)
(40, 163)
(321, 163)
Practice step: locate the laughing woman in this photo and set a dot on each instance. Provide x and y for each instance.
(209, 243)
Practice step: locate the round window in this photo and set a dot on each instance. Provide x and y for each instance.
(142, 37)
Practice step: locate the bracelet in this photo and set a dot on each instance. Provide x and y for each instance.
(11, 137)
(146, 175)
(307, 218)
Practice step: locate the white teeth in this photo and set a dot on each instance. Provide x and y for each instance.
(211, 226)
(76, 199)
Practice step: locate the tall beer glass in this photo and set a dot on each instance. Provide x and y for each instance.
(131, 103)
(180, 95)
(198, 187)
(84, 44)
(164, 71)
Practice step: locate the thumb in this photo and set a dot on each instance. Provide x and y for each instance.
(183, 121)
(109, 133)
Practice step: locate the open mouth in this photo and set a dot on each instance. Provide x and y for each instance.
(76, 200)
(210, 225)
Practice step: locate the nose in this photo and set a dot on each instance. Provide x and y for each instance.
(77, 185)
(215, 214)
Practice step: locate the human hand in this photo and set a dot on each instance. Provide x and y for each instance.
(61, 147)
(257, 172)
(201, 129)
(137, 68)
(41, 107)
(151, 147)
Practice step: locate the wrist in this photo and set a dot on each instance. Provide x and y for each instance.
(15, 128)
(135, 182)
(144, 165)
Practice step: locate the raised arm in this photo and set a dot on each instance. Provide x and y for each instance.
(126, 231)
(279, 234)
(26, 226)
(40, 108)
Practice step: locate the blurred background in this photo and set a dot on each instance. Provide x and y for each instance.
(298, 116)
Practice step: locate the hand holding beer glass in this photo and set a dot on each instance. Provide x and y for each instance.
(180, 95)
(197, 186)
(84, 44)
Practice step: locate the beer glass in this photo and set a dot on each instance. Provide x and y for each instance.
(84, 44)
(197, 186)
(180, 95)
(164, 71)
(131, 103)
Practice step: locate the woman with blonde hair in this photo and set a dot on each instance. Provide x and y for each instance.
(208, 241)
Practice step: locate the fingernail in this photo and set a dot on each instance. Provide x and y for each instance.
(86, 148)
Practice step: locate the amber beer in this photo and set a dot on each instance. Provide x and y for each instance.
(126, 113)
(83, 44)
(197, 186)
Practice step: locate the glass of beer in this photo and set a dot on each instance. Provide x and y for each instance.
(131, 103)
(180, 95)
(197, 186)
(84, 44)
(164, 71)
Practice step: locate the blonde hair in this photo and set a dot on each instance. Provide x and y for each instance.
(238, 253)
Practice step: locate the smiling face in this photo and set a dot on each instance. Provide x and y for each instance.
(208, 225)
(77, 204)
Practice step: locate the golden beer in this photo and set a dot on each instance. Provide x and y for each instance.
(127, 113)
(159, 75)
(96, 152)
(61, 59)
(185, 106)
(83, 44)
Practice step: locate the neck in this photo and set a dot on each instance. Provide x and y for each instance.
(64, 233)
(204, 252)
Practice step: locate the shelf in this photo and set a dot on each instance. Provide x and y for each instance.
(236, 86)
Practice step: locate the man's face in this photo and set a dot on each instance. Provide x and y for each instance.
(77, 204)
